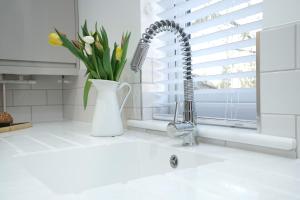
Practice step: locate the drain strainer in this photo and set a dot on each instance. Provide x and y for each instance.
(173, 161)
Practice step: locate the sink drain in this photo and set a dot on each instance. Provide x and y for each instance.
(173, 161)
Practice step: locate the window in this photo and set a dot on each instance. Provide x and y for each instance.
(223, 41)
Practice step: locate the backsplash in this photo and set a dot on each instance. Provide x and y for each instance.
(38, 102)
(280, 81)
(73, 99)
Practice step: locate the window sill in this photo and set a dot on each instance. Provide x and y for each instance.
(243, 136)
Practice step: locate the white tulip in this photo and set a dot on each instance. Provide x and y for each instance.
(88, 49)
(88, 39)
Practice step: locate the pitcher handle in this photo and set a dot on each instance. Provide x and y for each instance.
(127, 95)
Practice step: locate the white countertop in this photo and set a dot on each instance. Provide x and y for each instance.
(242, 174)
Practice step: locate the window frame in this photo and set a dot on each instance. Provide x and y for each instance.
(251, 124)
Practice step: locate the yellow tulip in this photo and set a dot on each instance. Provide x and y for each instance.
(119, 52)
(54, 39)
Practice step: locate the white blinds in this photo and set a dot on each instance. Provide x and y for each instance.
(223, 56)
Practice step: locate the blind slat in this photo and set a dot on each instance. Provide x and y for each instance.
(221, 91)
(169, 3)
(181, 7)
(212, 77)
(214, 8)
(218, 35)
(215, 49)
(215, 63)
(235, 15)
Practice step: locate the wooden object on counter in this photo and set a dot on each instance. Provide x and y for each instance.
(14, 127)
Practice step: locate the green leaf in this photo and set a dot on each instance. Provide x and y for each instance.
(87, 87)
(84, 29)
(94, 60)
(101, 69)
(120, 66)
(107, 65)
(113, 58)
(80, 38)
(120, 69)
(69, 45)
(100, 37)
(104, 38)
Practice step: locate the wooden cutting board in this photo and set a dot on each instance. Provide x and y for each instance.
(14, 127)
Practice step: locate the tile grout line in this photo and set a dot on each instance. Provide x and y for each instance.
(281, 114)
(13, 97)
(66, 140)
(17, 149)
(277, 71)
(296, 136)
(296, 48)
(46, 92)
(39, 142)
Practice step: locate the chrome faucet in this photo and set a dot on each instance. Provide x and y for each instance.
(187, 127)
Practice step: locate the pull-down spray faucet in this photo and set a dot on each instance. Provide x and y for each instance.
(185, 128)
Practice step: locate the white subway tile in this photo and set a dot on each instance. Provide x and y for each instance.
(147, 114)
(72, 82)
(47, 113)
(20, 113)
(75, 96)
(18, 86)
(158, 75)
(9, 98)
(278, 48)
(68, 112)
(67, 98)
(280, 92)
(134, 99)
(147, 92)
(133, 113)
(77, 113)
(130, 76)
(54, 97)
(147, 76)
(47, 82)
(29, 97)
(278, 125)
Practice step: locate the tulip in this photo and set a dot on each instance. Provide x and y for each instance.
(88, 49)
(88, 39)
(99, 46)
(54, 39)
(119, 52)
(77, 44)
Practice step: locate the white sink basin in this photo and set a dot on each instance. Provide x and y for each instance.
(77, 170)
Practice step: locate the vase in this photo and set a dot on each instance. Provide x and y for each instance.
(107, 119)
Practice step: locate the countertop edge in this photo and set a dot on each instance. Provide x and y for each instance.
(243, 136)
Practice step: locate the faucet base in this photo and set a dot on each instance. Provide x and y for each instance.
(189, 140)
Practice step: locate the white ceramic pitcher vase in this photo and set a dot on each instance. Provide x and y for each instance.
(107, 116)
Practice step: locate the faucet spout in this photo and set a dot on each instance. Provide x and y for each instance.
(141, 53)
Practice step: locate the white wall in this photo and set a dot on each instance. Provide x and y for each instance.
(117, 16)
(278, 12)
